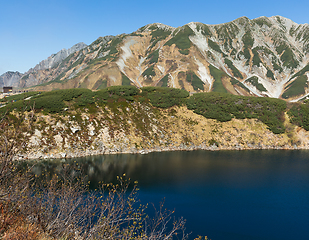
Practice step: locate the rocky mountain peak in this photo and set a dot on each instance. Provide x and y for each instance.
(54, 59)
(10, 79)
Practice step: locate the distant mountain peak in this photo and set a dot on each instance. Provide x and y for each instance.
(10, 78)
(54, 59)
(152, 26)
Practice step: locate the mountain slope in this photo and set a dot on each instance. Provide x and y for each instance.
(259, 57)
(42, 72)
(10, 79)
(47, 69)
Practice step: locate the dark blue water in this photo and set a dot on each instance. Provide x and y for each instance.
(225, 195)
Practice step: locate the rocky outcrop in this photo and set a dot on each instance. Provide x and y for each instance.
(140, 129)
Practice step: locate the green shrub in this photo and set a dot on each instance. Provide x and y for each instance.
(299, 114)
(256, 58)
(163, 82)
(181, 39)
(217, 74)
(114, 93)
(262, 21)
(301, 72)
(296, 87)
(288, 59)
(235, 71)
(214, 46)
(276, 66)
(240, 84)
(51, 104)
(18, 97)
(55, 101)
(165, 97)
(100, 84)
(85, 99)
(247, 55)
(78, 96)
(125, 80)
(255, 82)
(223, 107)
(113, 45)
(153, 57)
(212, 142)
(196, 82)
(270, 74)
(158, 34)
(184, 52)
(248, 40)
(204, 29)
(149, 72)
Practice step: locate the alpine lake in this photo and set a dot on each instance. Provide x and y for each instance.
(225, 195)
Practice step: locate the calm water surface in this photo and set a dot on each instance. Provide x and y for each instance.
(226, 195)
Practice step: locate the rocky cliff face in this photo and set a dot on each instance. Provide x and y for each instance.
(44, 71)
(10, 79)
(55, 59)
(41, 71)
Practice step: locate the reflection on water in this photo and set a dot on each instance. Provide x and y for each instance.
(224, 195)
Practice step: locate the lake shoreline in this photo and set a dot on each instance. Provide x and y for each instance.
(88, 152)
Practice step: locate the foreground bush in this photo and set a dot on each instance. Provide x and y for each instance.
(62, 206)
(64, 209)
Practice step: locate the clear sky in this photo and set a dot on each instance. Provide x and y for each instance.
(32, 30)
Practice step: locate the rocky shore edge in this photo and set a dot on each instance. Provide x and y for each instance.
(88, 152)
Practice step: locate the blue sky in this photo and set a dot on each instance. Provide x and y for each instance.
(32, 30)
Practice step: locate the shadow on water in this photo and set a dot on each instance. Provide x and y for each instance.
(224, 195)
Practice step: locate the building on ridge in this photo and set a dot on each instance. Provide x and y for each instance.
(7, 89)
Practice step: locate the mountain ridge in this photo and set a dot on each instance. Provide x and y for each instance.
(50, 62)
(265, 56)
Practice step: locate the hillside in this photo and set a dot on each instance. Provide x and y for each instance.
(259, 57)
(124, 119)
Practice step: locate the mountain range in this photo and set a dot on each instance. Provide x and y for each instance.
(266, 56)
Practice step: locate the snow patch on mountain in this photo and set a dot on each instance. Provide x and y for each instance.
(203, 74)
(161, 68)
(139, 68)
(172, 80)
(199, 40)
(126, 53)
(274, 88)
